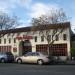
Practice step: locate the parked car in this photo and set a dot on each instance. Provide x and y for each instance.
(33, 57)
(6, 57)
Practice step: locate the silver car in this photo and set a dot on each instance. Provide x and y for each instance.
(6, 57)
(33, 57)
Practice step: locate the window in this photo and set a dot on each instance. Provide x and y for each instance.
(35, 38)
(9, 40)
(56, 37)
(42, 38)
(35, 54)
(55, 49)
(49, 37)
(28, 54)
(4, 41)
(0, 41)
(14, 40)
(42, 48)
(64, 37)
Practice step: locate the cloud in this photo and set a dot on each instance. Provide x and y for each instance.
(39, 9)
(8, 5)
(33, 9)
(25, 3)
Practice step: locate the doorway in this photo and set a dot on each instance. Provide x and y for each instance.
(25, 46)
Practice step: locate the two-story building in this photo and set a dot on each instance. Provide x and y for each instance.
(22, 40)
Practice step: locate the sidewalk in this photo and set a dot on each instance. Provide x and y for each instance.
(70, 62)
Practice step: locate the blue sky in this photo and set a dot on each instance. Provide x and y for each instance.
(27, 9)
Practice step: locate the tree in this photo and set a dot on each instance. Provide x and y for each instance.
(55, 16)
(73, 51)
(8, 22)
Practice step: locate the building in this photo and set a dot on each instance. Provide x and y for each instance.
(22, 40)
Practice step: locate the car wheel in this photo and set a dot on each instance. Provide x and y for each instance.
(19, 61)
(40, 62)
(2, 60)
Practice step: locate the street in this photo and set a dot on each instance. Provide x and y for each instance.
(30, 69)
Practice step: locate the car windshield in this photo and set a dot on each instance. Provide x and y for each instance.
(28, 54)
(32, 54)
(35, 54)
(41, 54)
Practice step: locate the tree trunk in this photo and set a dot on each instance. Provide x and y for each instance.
(49, 51)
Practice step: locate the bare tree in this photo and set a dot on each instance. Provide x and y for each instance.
(7, 22)
(55, 16)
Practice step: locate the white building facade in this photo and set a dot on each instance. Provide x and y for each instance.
(22, 40)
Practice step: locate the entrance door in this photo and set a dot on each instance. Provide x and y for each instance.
(26, 46)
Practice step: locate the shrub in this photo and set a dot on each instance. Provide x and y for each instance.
(73, 51)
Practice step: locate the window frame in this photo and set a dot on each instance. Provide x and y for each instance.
(0, 40)
(35, 38)
(49, 37)
(42, 38)
(14, 40)
(9, 40)
(64, 37)
(56, 37)
(4, 40)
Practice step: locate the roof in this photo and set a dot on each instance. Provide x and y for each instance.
(42, 27)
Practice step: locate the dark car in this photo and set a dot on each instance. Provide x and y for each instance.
(6, 57)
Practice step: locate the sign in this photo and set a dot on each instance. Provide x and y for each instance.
(24, 37)
(14, 49)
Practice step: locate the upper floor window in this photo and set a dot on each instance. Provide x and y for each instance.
(56, 37)
(42, 38)
(4, 41)
(14, 40)
(64, 36)
(35, 38)
(49, 37)
(0, 41)
(9, 40)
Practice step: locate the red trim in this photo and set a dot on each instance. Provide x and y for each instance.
(24, 37)
(5, 48)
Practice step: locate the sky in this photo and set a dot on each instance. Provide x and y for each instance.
(28, 9)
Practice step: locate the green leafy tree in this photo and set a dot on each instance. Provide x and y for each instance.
(73, 51)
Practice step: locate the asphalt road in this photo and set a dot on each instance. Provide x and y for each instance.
(29, 69)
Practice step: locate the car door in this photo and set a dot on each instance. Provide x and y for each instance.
(27, 57)
(30, 58)
(34, 57)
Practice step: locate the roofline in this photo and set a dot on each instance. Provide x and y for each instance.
(27, 29)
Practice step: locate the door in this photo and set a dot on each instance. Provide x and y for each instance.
(27, 57)
(26, 47)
